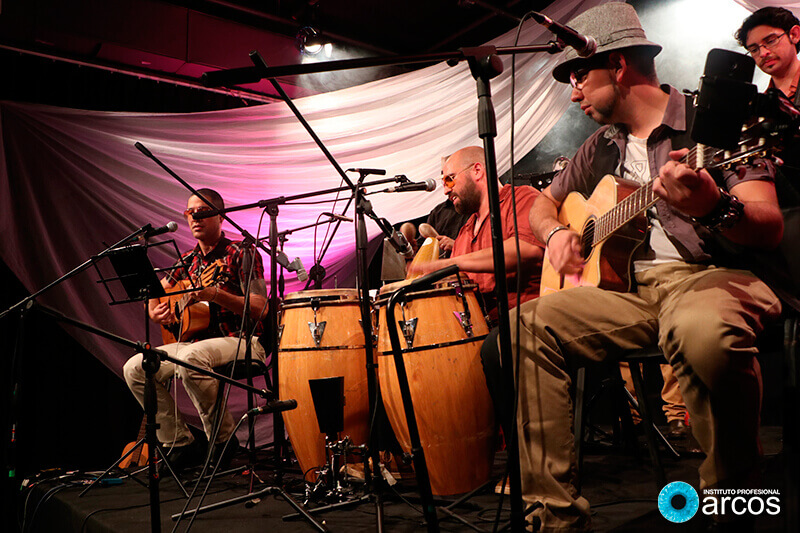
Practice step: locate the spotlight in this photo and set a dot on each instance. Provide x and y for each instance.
(309, 41)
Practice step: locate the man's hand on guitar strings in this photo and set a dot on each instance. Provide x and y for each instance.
(564, 251)
(162, 313)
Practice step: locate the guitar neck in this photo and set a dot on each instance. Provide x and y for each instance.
(644, 198)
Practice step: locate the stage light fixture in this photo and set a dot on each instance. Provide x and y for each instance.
(309, 41)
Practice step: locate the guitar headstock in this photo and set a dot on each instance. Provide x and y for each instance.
(760, 139)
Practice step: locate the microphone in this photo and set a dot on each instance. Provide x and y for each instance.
(366, 171)
(401, 244)
(149, 231)
(231, 76)
(583, 44)
(297, 266)
(275, 406)
(427, 185)
(338, 217)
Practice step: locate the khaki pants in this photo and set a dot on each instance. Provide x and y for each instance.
(705, 319)
(674, 406)
(202, 390)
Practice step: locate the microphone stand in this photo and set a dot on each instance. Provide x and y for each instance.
(484, 65)
(151, 362)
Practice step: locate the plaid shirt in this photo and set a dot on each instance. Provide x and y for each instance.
(224, 322)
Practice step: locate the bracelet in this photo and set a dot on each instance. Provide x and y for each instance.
(553, 232)
(216, 291)
(725, 215)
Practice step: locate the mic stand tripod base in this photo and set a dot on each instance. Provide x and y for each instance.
(131, 474)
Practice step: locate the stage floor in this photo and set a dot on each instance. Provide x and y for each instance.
(621, 489)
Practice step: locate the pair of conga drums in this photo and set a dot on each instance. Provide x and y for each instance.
(441, 352)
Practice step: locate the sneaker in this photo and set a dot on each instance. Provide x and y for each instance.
(224, 460)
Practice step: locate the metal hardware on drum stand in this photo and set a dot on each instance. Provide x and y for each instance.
(463, 317)
(408, 327)
(317, 329)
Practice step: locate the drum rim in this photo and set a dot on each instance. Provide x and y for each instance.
(382, 299)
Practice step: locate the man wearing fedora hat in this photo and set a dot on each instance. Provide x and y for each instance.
(704, 317)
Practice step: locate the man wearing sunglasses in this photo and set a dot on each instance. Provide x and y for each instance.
(464, 179)
(704, 317)
(217, 345)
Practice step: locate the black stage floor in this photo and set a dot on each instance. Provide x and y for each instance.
(621, 488)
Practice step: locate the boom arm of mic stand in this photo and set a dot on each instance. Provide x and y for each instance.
(75, 271)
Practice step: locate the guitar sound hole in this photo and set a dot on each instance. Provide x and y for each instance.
(587, 238)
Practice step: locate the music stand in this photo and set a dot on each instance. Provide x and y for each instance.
(140, 282)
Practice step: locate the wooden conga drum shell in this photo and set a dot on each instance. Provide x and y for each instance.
(451, 402)
(340, 353)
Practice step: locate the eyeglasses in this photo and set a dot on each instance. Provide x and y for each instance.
(450, 179)
(770, 42)
(192, 210)
(578, 77)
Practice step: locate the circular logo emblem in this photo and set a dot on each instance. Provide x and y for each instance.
(678, 502)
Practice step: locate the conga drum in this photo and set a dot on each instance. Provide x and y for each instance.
(441, 346)
(321, 337)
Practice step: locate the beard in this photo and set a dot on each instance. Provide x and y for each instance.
(603, 112)
(469, 199)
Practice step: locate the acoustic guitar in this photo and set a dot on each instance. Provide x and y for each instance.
(139, 457)
(191, 319)
(612, 223)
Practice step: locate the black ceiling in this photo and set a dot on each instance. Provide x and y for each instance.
(136, 44)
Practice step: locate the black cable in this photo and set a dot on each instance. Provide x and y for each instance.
(518, 287)
(226, 391)
(47, 495)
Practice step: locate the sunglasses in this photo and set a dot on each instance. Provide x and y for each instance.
(192, 210)
(450, 179)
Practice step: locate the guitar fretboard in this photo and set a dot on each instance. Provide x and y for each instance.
(642, 199)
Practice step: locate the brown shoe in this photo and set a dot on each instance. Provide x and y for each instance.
(677, 429)
(503, 487)
(679, 434)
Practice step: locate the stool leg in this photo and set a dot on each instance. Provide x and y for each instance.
(647, 420)
(579, 429)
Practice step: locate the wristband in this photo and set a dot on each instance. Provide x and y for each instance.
(553, 232)
(726, 214)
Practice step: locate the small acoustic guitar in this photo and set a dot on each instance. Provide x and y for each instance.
(140, 456)
(612, 223)
(191, 319)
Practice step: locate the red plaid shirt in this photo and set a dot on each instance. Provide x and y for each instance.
(224, 323)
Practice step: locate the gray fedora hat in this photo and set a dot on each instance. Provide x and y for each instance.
(614, 25)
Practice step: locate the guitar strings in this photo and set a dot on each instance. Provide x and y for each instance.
(639, 200)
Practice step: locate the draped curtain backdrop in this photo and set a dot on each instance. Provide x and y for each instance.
(71, 180)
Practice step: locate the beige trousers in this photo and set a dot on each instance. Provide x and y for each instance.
(202, 390)
(674, 407)
(705, 319)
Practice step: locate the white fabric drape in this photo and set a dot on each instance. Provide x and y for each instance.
(71, 180)
(753, 5)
